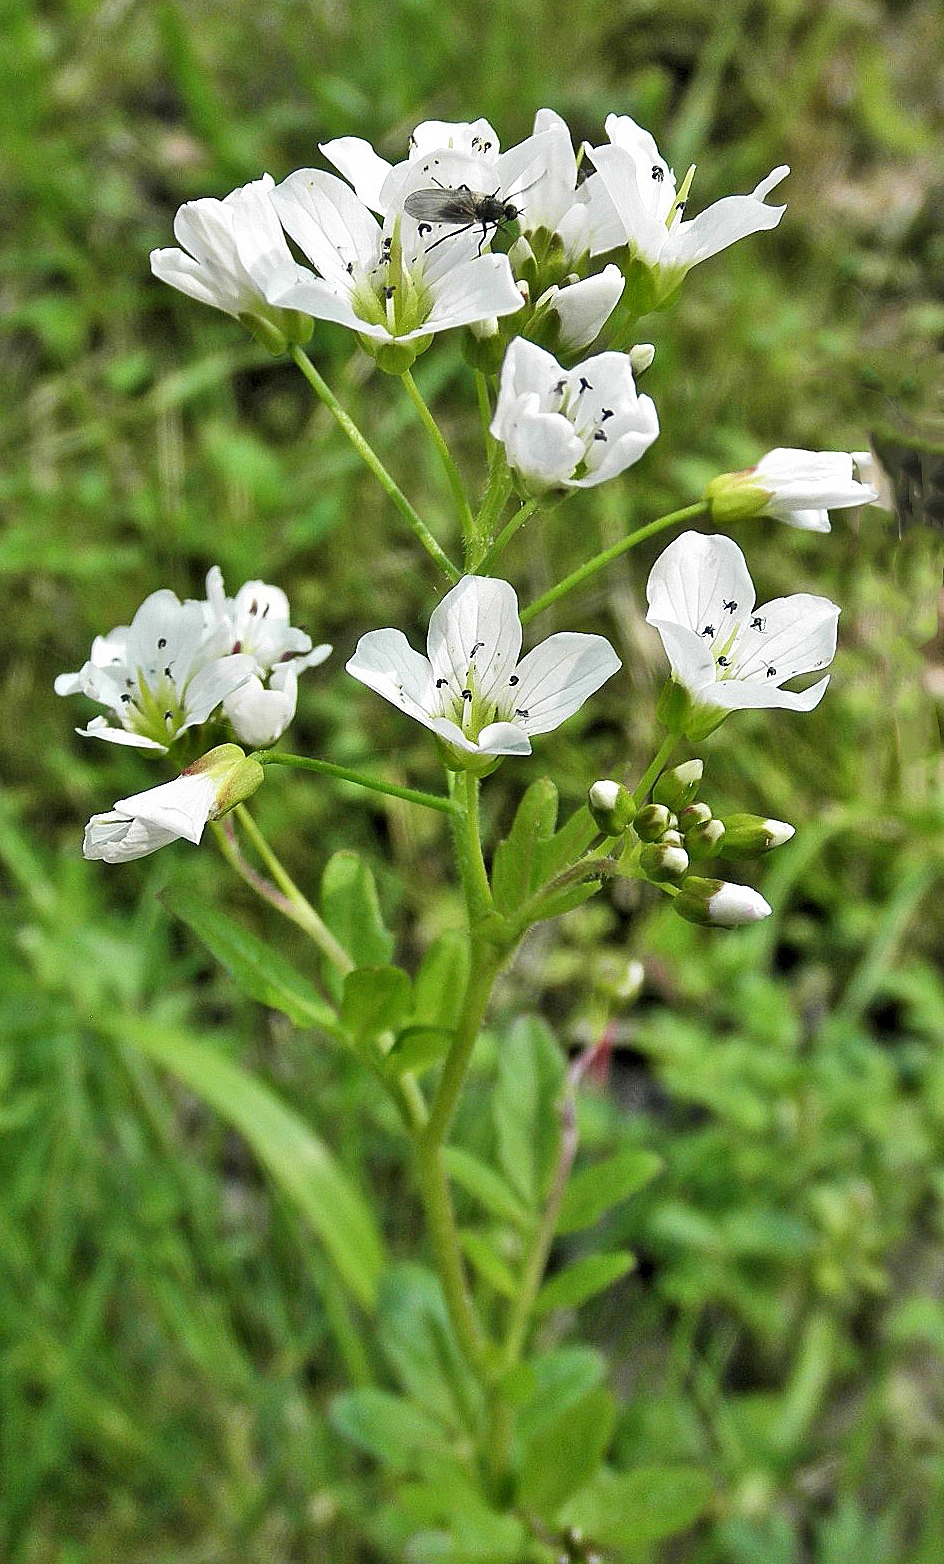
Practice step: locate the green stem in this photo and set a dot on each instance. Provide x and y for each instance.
(302, 912)
(468, 845)
(599, 561)
(277, 757)
(657, 767)
(372, 460)
(463, 508)
(485, 407)
(508, 531)
(497, 490)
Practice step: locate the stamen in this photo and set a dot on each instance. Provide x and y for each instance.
(758, 623)
(730, 606)
(466, 695)
(710, 631)
(441, 683)
(514, 679)
(598, 434)
(584, 385)
(771, 673)
(162, 643)
(605, 413)
(520, 711)
(657, 174)
(476, 648)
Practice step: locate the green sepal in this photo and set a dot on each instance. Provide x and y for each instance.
(674, 708)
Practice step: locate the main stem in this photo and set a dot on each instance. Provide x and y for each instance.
(369, 456)
(600, 561)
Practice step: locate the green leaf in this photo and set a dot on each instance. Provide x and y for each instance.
(595, 1189)
(351, 910)
(416, 1048)
(289, 1149)
(416, 1339)
(641, 1506)
(566, 845)
(389, 1427)
(489, 1263)
(550, 1383)
(582, 1280)
(439, 985)
(564, 1455)
(258, 969)
(514, 865)
(375, 1000)
(527, 1126)
(485, 1185)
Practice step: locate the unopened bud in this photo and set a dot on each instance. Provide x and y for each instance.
(747, 835)
(719, 903)
(663, 863)
(640, 357)
(672, 837)
(677, 788)
(694, 814)
(611, 806)
(652, 821)
(705, 840)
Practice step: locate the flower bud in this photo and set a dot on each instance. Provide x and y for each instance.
(719, 903)
(663, 863)
(677, 788)
(652, 821)
(640, 357)
(747, 835)
(611, 806)
(705, 840)
(692, 815)
(672, 837)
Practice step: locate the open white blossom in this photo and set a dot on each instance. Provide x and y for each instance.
(470, 689)
(257, 622)
(797, 487)
(646, 208)
(174, 811)
(164, 673)
(232, 250)
(725, 652)
(570, 428)
(384, 282)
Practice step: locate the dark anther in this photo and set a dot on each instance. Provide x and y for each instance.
(730, 606)
(168, 716)
(237, 646)
(167, 673)
(724, 662)
(441, 683)
(126, 697)
(514, 679)
(657, 174)
(605, 414)
(771, 673)
(560, 388)
(162, 643)
(389, 292)
(476, 648)
(598, 434)
(681, 207)
(709, 630)
(466, 695)
(758, 622)
(585, 384)
(254, 606)
(520, 711)
(349, 268)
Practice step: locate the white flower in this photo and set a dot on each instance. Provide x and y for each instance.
(647, 210)
(160, 675)
(726, 653)
(582, 308)
(236, 248)
(257, 622)
(570, 428)
(470, 689)
(176, 810)
(798, 487)
(385, 283)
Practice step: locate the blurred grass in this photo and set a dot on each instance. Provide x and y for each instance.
(171, 1338)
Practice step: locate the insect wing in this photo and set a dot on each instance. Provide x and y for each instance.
(441, 206)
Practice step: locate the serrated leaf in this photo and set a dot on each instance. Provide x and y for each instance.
(374, 1000)
(489, 1263)
(350, 908)
(295, 1156)
(389, 1427)
(642, 1506)
(440, 983)
(416, 1048)
(527, 1126)
(593, 1190)
(564, 1455)
(583, 1280)
(514, 864)
(485, 1185)
(259, 970)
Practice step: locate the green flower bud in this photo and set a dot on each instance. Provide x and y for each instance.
(611, 806)
(677, 788)
(640, 358)
(694, 814)
(705, 840)
(663, 863)
(672, 837)
(719, 904)
(747, 835)
(652, 821)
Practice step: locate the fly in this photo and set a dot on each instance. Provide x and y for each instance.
(462, 208)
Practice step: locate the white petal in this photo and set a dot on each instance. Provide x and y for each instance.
(328, 222)
(385, 661)
(361, 166)
(624, 446)
(259, 716)
(99, 728)
(473, 290)
(188, 276)
(734, 905)
(583, 308)
(559, 675)
(210, 686)
(694, 578)
(730, 219)
(737, 695)
(115, 838)
(525, 367)
(476, 625)
(690, 657)
(181, 807)
(260, 242)
(803, 520)
(643, 229)
(787, 636)
(504, 738)
(541, 447)
(311, 295)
